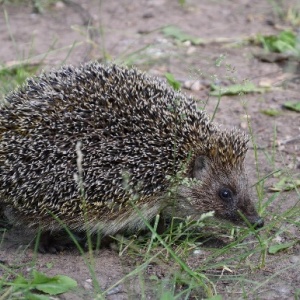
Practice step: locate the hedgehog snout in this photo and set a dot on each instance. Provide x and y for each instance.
(256, 221)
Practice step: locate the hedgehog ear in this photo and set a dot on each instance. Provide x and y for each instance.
(199, 166)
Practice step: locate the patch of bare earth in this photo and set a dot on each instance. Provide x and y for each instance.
(130, 31)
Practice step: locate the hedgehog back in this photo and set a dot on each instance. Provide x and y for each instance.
(135, 132)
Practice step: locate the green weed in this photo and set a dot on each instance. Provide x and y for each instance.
(292, 105)
(11, 77)
(32, 287)
(270, 112)
(284, 42)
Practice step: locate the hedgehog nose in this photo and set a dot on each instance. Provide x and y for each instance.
(259, 223)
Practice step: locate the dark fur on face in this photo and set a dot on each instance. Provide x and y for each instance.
(221, 188)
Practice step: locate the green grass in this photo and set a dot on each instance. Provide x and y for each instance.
(39, 6)
(11, 77)
(289, 14)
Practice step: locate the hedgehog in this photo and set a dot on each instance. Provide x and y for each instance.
(142, 149)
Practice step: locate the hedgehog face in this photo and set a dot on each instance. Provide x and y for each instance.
(222, 190)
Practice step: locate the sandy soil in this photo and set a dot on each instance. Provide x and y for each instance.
(130, 32)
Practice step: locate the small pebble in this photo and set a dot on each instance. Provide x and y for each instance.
(284, 290)
(244, 125)
(115, 290)
(88, 284)
(278, 239)
(198, 252)
(269, 295)
(191, 50)
(294, 259)
(59, 5)
(187, 43)
(193, 85)
(196, 86)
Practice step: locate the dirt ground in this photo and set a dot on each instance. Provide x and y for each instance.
(130, 32)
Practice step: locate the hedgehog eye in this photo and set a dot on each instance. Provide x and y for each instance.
(225, 194)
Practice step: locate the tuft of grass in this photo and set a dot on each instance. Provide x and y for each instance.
(289, 14)
(285, 42)
(11, 77)
(270, 112)
(175, 84)
(235, 89)
(292, 105)
(293, 16)
(39, 6)
(180, 36)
